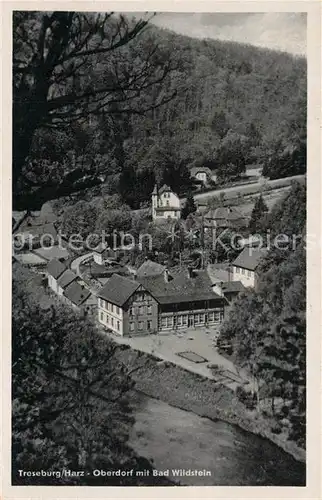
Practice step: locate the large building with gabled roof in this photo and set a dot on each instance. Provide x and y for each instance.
(153, 303)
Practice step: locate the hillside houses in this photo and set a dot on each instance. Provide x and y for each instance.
(67, 285)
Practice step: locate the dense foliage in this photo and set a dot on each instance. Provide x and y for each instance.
(70, 397)
(267, 327)
(174, 102)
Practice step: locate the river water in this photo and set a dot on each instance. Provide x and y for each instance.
(176, 439)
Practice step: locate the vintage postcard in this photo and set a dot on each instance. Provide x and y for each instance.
(161, 251)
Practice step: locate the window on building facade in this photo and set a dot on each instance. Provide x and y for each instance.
(168, 203)
(202, 318)
(249, 273)
(102, 316)
(131, 311)
(217, 317)
(118, 325)
(149, 309)
(107, 319)
(170, 322)
(243, 271)
(197, 319)
(141, 310)
(131, 327)
(185, 319)
(163, 322)
(112, 321)
(149, 325)
(112, 308)
(117, 310)
(179, 320)
(140, 325)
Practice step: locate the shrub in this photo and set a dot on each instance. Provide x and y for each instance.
(276, 429)
(245, 397)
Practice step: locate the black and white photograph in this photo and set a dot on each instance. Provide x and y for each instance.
(159, 249)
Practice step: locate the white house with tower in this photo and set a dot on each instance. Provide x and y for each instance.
(165, 203)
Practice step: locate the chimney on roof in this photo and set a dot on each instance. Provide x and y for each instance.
(218, 288)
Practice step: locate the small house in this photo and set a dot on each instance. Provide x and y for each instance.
(246, 264)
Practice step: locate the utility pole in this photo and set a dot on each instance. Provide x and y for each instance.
(202, 242)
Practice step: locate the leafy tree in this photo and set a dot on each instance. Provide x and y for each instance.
(259, 210)
(189, 206)
(266, 327)
(79, 219)
(232, 156)
(68, 65)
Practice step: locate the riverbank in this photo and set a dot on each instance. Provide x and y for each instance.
(196, 451)
(192, 392)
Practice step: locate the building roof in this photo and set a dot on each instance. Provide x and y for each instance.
(76, 293)
(52, 252)
(55, 268)
(195, 170)
(66, 278)
(233, 287)
(98, 271)
(150, 268)
(181, 289)
(118, 290)
(226, 213)
(249, 258)
(164, 189)
(101, 247)
(38, 230)
(30, 259)
(217, 274)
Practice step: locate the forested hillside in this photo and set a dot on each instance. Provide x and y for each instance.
(199, 102)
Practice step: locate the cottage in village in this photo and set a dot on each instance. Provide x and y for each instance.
(79, 297)
(150, 268)
(165, 203)
(246, 264)
(203, 174)
(35, 229)
(224, 217)
(65, 283)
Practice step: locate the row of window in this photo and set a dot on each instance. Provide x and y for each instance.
(108, 306)
(241, 270)
(141, 325)
(141, 310)
(191, 319)
(109, 320)
(142, 296)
